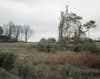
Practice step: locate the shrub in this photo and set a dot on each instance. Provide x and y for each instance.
(47, 45)
(23, 69)
(51, 40)
(72, 72)
(91, 47)
(7, 60)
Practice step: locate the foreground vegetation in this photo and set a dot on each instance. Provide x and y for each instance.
(30, 63)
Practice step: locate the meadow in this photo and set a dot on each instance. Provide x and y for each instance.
(58, 65)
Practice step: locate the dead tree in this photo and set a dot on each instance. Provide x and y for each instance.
(61, 27)
(70, 27)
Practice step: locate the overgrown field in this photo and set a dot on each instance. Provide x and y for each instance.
(50, 65)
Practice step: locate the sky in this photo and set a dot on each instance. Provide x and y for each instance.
(43, 16)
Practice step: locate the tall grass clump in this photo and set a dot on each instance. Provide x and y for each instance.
(23, 69)
(72, 72)
(7, 60)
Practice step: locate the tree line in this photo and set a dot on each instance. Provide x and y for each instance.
(13, 33)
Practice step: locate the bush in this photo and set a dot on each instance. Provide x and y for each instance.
(51, 40)
(47, 45)
(91, 47)
(7, 60)
(23, 69)
(72, 72)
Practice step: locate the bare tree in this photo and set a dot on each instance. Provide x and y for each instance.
(11, 30)
(18, 32)
(61, 26)
(27, 32)
(1, 30)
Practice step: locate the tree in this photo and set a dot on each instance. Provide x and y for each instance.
(18, 32)
(11, 30)
(61, 26)
(89, 25)
(1, 30)
(27, 32)
(71, 29)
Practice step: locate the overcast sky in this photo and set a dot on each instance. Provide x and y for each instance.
(43, 15)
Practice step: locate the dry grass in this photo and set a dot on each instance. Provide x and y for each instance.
(26, 50)
(62, 57)
(56, 60)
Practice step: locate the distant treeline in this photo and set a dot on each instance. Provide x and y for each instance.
(13, 33)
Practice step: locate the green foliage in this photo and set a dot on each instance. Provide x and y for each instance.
(90, 45)
(90, 24)
(7, 60)
(23, 69)
(71, 72)
(28, 70)
(51, 40)
(47, 45)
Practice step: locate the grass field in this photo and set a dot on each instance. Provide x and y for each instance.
(54, 62)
